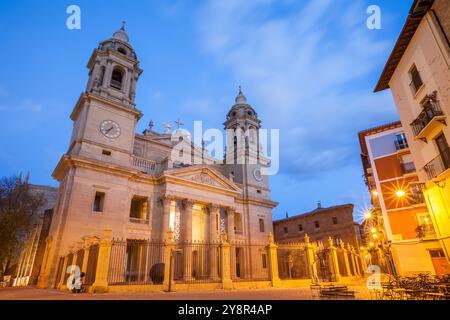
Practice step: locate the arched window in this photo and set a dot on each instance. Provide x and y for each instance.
(116, 79)
(122, 51)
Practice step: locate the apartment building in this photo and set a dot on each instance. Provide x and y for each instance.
(418, 74)
(397, 194)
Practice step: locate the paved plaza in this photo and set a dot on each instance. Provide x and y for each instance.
(265, 294)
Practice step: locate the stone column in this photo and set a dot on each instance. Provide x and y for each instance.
(169, 247)
(344, 254)
(187, 219)
(213, 213)
(101, 273)
(362, 255)
(230, 223)
(333, 260)
(44, 276)
(87, 249)
(358, 269)
(352, 259)
(273, 262)
(187, 238)
(165, 223)
(213, 237)
(310, 260)
(108, 74)
(225, 262)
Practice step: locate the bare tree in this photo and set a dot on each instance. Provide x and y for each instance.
(18, 213)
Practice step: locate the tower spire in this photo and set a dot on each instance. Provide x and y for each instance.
(123, 25)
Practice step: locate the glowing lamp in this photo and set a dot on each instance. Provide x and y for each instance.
(400, 193)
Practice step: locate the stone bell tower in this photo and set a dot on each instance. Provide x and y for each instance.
(105, 116)
(244, 157)
(114, 70)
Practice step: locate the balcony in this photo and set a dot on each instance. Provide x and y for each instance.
(438, 165)
(426, 231)
(144, 165)
(401, 145)
(429, 119)
(407, 168)
(139, 220)
(417, 195)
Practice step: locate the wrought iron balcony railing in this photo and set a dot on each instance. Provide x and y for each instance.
(401, 145)
(438, 165)
(429, 113)
(426, 231)
(417, 195)
(408, 167)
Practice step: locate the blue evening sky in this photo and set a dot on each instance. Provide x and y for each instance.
(307, 67)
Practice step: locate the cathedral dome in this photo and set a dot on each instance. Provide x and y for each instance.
(241, 99)
(242, 109)
(121, 34)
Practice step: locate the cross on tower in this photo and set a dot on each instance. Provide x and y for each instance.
(179, 123)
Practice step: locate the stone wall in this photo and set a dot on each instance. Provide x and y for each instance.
(442, 9)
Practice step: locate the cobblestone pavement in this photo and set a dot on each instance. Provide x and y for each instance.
(265, 294)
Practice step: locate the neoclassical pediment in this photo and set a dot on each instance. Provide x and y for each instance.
(203, 175)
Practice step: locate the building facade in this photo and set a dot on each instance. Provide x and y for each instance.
(397, 195)
(29, 260)
(418, 74)
(321, 224)
(142, 186)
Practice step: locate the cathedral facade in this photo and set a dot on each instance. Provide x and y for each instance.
(113, 178)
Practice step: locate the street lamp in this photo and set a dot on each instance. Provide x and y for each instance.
(368, 214)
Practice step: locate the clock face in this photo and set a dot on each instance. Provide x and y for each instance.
(110, 129)
(257, 174)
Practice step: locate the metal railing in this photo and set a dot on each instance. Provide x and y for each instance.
(134, 262)
(249, 262)
(425, 231)
(91, 269)
(438, 165)
(407, 167)
(144, 165)
(430, 111)
(401, 145)
(197, 262)
(292, 262)
(417, 192)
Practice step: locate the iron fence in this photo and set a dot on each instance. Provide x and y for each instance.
(59, 270)
(91, 268)
(292, 261)
(341, 255)
(197, 262)
(135, 262)
(249, 262)
(69, 263)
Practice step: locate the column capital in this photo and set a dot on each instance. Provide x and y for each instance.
(166, 198)
(231, 209)
(341, 244)
(213, 207)
(188, 202)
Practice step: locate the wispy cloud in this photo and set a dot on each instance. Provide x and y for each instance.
(302, 65)
(27, 105)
